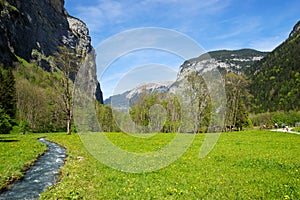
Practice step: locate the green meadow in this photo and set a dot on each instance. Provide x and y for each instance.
(242, 165)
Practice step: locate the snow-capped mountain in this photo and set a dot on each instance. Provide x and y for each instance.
(124, 100)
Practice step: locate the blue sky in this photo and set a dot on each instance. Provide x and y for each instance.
(213, 24)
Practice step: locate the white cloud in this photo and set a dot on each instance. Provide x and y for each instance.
(107, 12)
(108, 79)
(239, 27)
(102, 13)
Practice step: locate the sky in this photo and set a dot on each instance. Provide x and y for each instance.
(212, 24)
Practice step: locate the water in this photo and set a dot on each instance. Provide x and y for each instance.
(44, 173)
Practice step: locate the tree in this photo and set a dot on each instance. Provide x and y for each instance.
(199, 104)
(237, 94)
(5, 125)
(139, 111)
(67, 63)
(7, 92)
(106, 118)
(24, 126)
(173, 108)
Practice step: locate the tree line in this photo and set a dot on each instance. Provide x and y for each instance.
(198, 111)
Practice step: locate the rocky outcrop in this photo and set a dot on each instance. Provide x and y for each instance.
(34, 29)
(296, 30)
(230, 60)
(79, 38)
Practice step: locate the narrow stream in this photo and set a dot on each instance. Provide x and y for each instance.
(44, 173)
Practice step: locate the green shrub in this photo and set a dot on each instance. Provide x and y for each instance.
(269, 119)
(5, 122)
(24, 126)
(297, 129)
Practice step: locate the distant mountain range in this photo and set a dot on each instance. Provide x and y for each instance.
(236, 61)
(275, 76)
(124, 100)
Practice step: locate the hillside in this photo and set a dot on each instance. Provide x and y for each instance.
(276, 78)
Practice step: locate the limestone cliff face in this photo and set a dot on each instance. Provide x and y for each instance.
(34, 29)
(230, 60)
(78, 38)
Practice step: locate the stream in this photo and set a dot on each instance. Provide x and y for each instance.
(43, 173)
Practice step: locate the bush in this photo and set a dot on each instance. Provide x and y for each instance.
(269, 119)
(262, 118)
(297, 129)
(24, 126)
(5, 122)
(289, 118)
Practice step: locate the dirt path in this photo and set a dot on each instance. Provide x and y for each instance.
(283, 130)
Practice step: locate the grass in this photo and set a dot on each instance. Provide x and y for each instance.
(17, 153)
(244, 165)
(296, 129)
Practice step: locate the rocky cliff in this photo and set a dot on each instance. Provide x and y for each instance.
(230, 60)
(295, 31)
(34, 29)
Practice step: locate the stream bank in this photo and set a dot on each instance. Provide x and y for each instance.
(43, 173)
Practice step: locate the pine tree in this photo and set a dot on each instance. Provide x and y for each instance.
(7, 92)
(7, 100)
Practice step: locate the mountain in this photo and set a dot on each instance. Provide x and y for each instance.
(231, 60)
(124, 100)
(276, 78)
(34, 30)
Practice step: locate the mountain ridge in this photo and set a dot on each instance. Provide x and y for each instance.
(231, 60)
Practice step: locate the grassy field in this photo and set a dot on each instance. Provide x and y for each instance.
(243, 165)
